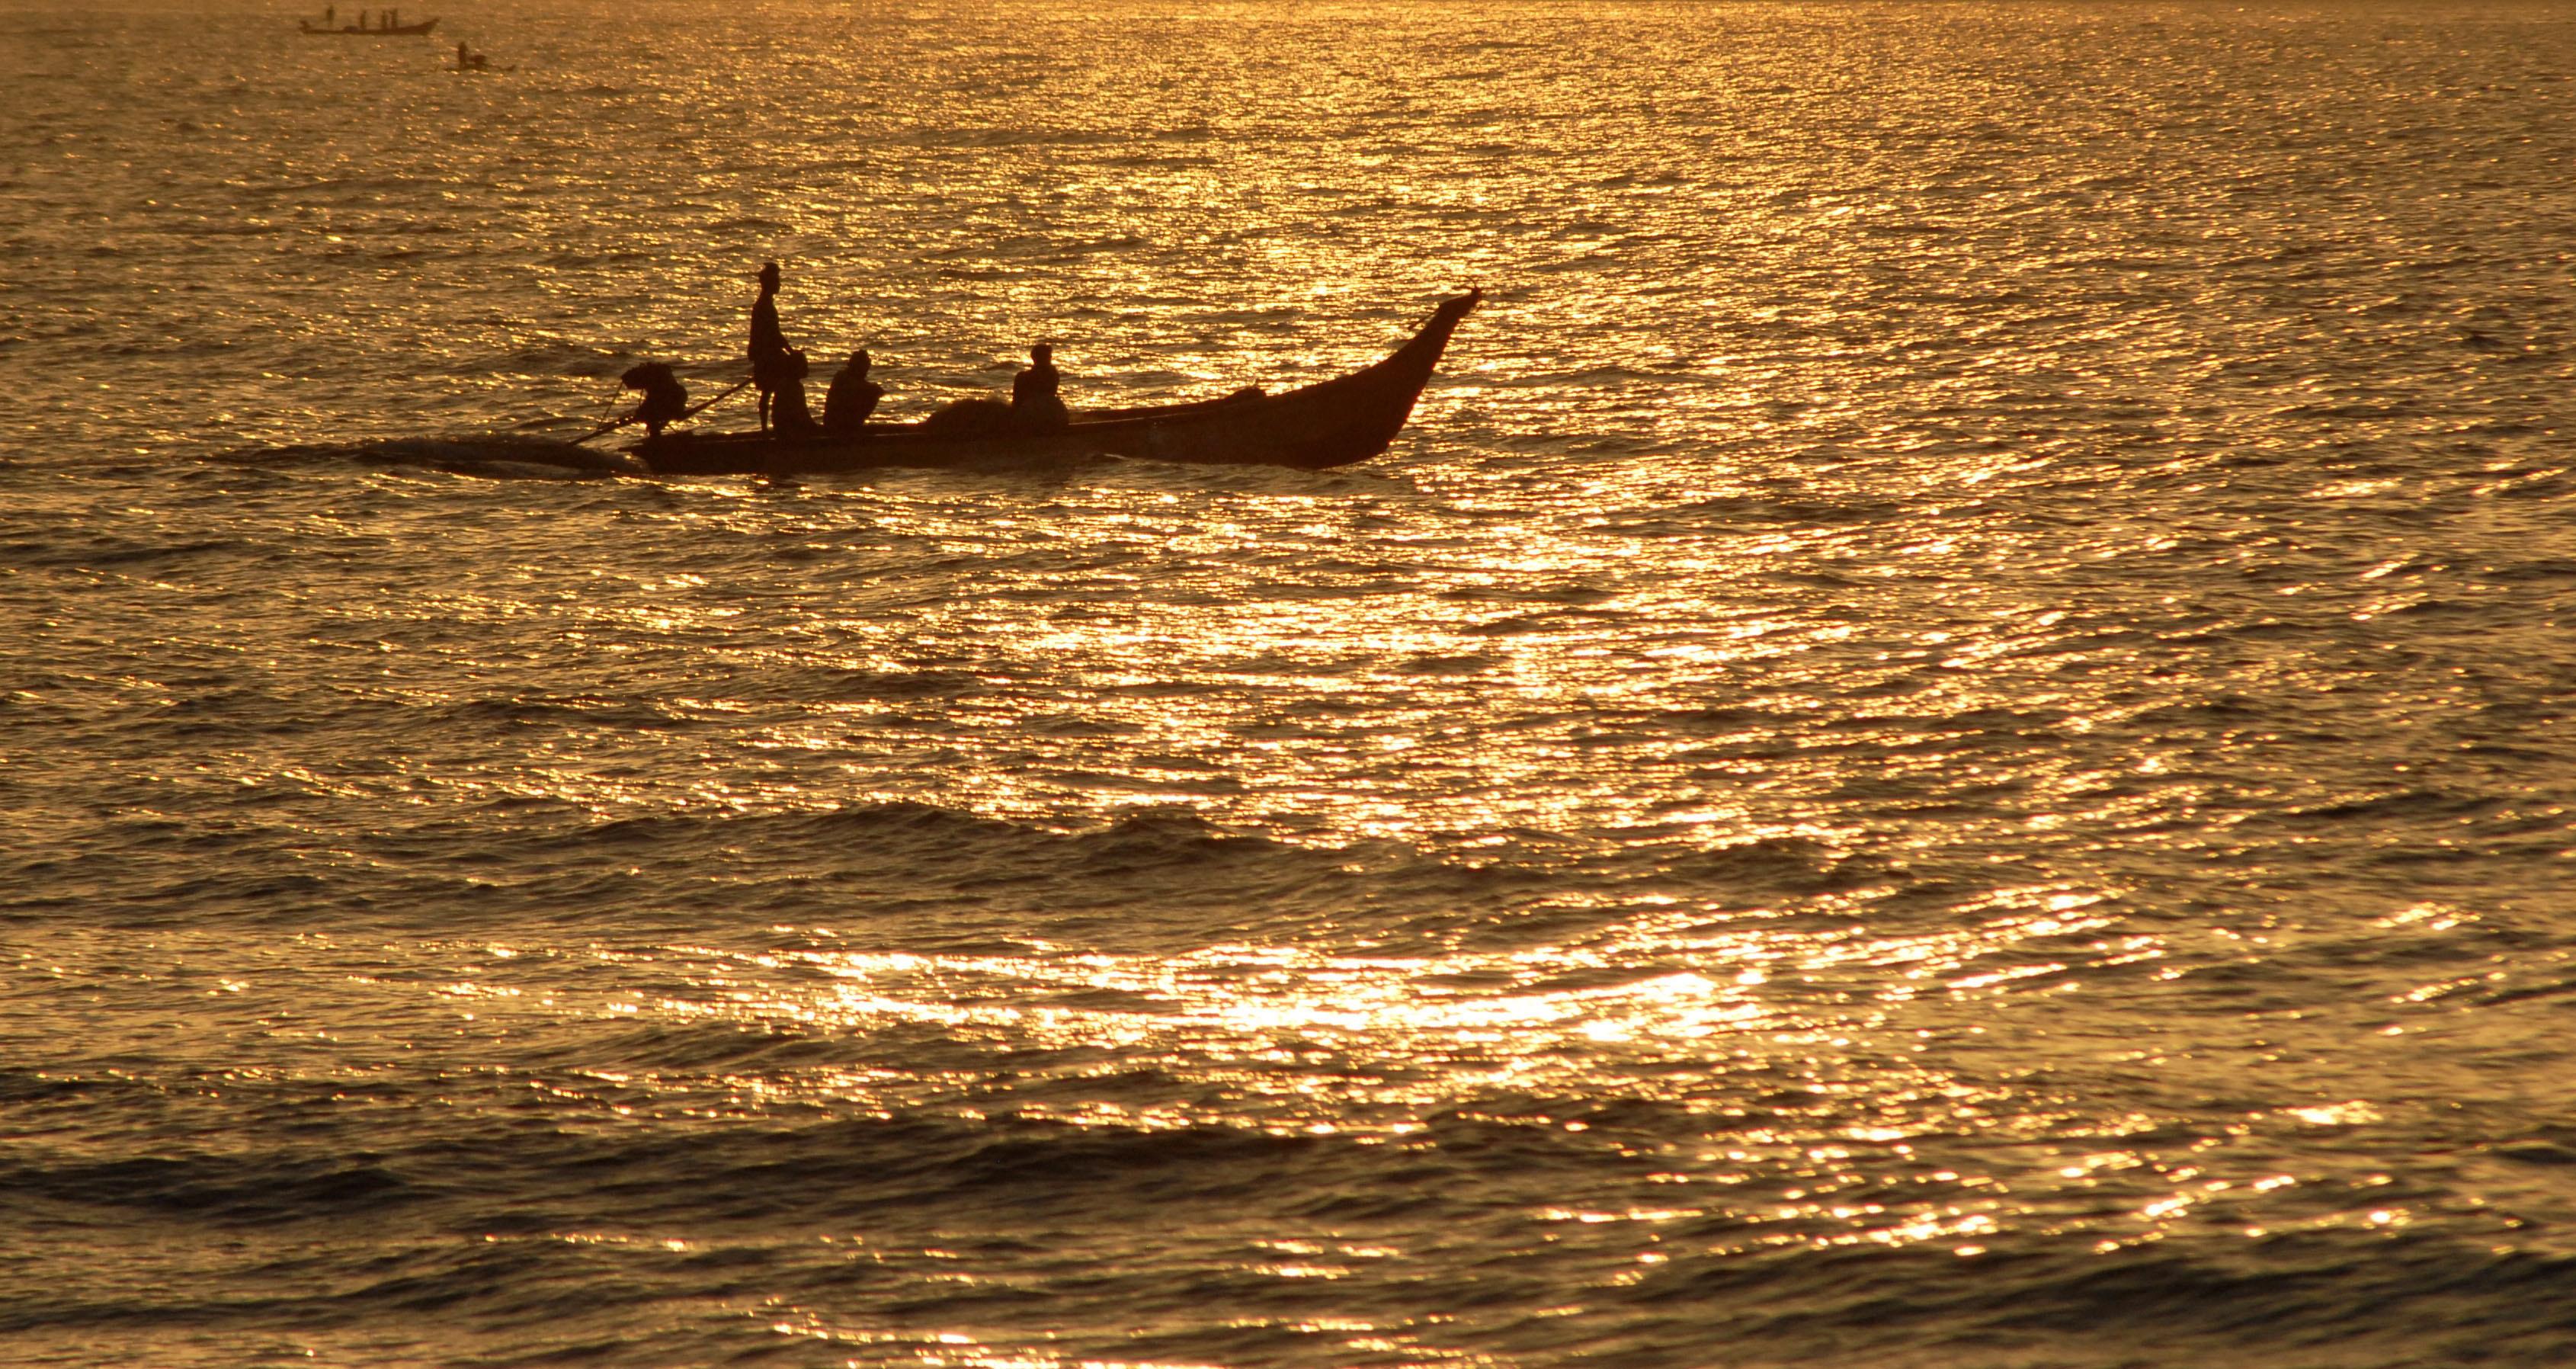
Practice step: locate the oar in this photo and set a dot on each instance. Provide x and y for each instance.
(606, 428)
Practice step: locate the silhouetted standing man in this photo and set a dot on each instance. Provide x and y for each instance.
(768, 344)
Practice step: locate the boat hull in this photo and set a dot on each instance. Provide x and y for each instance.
(1333, 423)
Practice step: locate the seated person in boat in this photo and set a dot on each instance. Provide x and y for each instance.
(788, 416)
(851, 399)
(1035, 406)
(665, 398)
(768, 345)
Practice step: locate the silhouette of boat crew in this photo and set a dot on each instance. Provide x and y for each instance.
(665, 398)
(1035, 406)
(1330, 423)
(852, 398)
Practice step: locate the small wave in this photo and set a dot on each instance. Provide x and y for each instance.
(600, 712)
(907, 858)
(224, 1188)
(905, 685)
(1790, 865)
(106, 550)
(19, 1087)
(1167, 839)
(598, 363)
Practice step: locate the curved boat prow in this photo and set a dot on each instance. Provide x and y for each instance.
(1426, 347)
(1354, 417)
(1445, 320)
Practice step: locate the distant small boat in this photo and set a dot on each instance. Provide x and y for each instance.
(1330, 423)
(353, 31)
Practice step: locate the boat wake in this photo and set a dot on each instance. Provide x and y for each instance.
(488, 456)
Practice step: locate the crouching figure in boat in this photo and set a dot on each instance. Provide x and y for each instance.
(851, 399)
(665, 398)
(1035, 405)
(788, 415)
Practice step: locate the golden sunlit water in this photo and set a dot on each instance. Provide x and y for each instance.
(1945, 742)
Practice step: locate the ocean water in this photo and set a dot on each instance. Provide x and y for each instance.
(1948, 742)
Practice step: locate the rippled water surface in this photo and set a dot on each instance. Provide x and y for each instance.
(1947, 742)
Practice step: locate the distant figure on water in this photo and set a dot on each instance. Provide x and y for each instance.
(1035, 406)
(665, 398)
(852, 398)
(769, 349)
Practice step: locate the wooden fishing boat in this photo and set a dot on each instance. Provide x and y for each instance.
(1330, 423)
(353, 31)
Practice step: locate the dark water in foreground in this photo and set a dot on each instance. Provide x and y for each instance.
(1947, 744)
